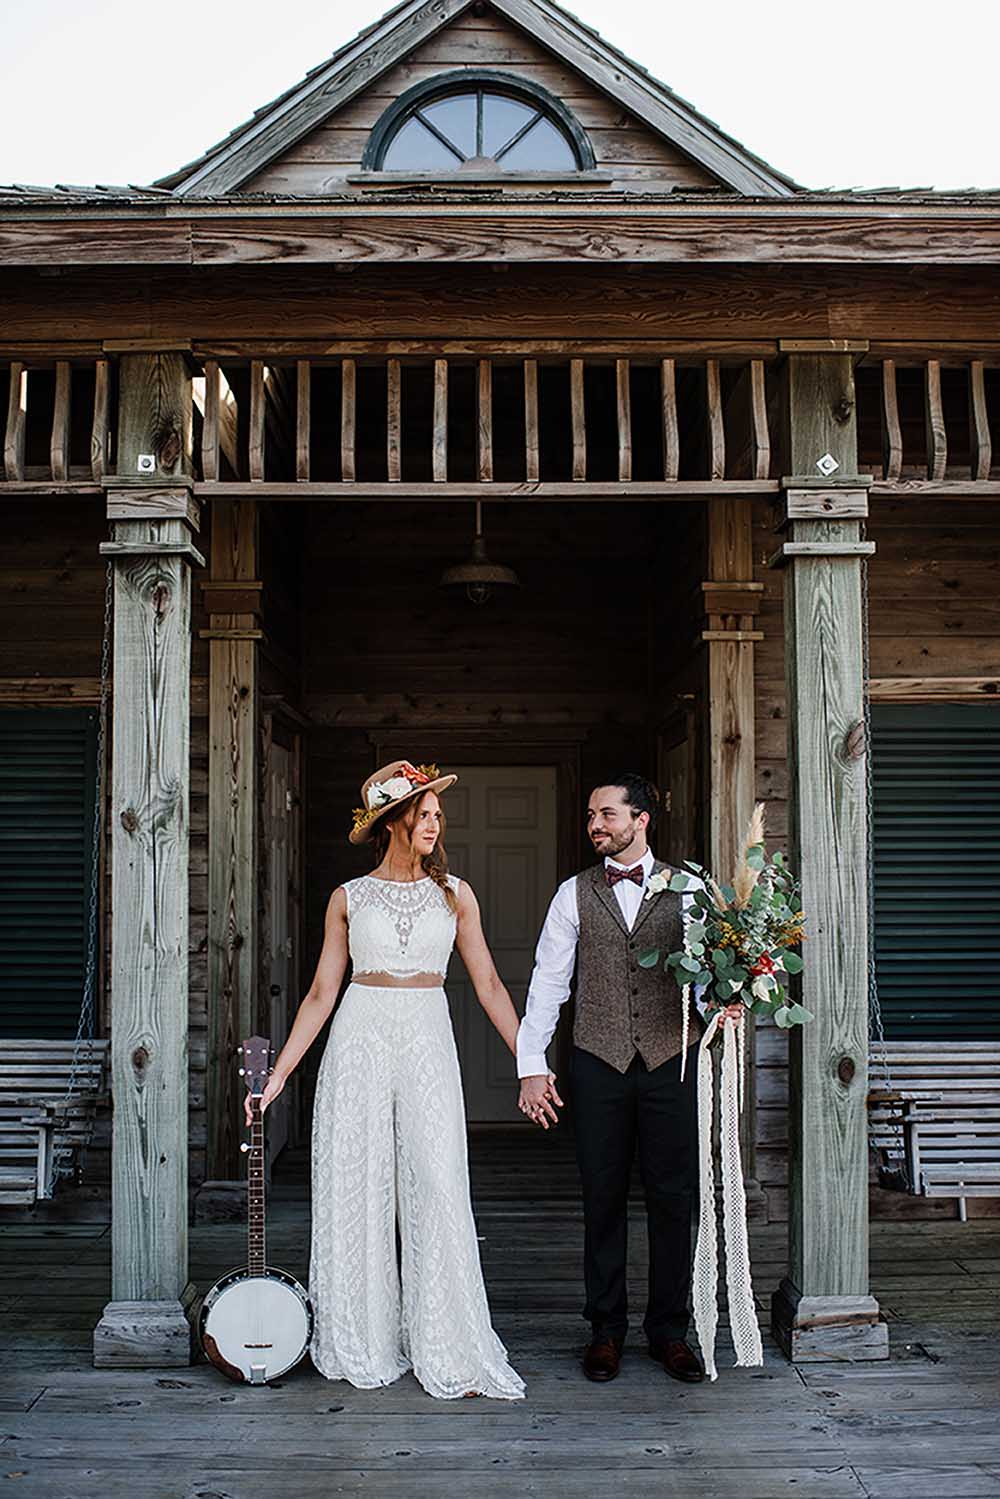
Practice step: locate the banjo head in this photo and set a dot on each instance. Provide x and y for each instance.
(255, 1327)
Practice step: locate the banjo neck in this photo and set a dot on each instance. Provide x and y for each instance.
(256, 1238)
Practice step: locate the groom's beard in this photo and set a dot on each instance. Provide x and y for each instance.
(613, 843)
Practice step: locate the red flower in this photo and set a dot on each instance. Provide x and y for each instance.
(413, 775)
(763, 964)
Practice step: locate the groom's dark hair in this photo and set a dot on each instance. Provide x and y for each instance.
(641, 795)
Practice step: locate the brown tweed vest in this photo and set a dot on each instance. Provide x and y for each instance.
(620, 1007)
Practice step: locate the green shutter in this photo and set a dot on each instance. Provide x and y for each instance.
(48, 761)
(936, 837)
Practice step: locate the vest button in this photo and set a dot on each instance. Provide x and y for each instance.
(635, 988)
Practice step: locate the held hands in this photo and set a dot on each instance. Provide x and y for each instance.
(728, 1012)
(537, 1096)
(275, 1086)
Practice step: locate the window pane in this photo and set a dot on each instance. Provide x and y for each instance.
(415, 149)
(502, 118)
(543, 149)
(456, 119)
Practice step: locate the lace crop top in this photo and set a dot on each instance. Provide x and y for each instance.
(397, 927)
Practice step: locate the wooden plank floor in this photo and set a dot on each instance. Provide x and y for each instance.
(925, 1423)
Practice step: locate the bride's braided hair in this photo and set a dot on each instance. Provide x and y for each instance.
(434, 864)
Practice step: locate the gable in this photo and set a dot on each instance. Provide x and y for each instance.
(325, 159)
(587, 67)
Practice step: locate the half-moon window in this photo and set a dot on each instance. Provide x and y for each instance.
(478, 125)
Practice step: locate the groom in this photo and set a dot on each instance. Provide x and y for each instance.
(624, 1072)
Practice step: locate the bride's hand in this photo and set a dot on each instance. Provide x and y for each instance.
(275, 1086)
(538, 1094)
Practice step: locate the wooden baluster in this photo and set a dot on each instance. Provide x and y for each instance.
(624, 403)
(758, 416)
(303, 413)
(348, 388)
(937, 438)
(210, 439)
(258, 418)
(439, 452)
(531, 419)
(99, 426)
(980, 442)
(671, 431)
(59, 442)
(892, 432)
(716, 426)
(17, 413)
(393, 419)
(579, 419)
(485, 416)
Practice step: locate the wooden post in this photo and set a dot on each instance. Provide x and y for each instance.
(823, 1309)
(731, 602)
(232, 597)
(150, 505)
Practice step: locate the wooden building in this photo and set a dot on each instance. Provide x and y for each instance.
(714, 423)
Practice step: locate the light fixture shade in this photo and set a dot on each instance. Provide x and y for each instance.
(479, 576)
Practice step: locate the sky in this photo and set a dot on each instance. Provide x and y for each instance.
(864, 93)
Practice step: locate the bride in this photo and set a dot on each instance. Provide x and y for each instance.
(389, 1121)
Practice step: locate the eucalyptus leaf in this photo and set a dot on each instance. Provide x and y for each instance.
(781, 1017)
(739, 973)
(728, 892)
(680, 881)
(793, 963)
(761, 1007)
(691, 965)
(755, 856)
(797, 1014)
(696, 931)
(722, 957)
(698, 948)
(649, 959)
(704, 978)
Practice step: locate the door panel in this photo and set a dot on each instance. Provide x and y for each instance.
(278, 933)
(502, 840)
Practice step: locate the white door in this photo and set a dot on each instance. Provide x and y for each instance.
(278, 935)
(502, 839)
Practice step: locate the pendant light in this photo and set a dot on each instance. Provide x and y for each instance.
(479, 577)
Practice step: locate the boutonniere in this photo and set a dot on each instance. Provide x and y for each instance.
(656, 883)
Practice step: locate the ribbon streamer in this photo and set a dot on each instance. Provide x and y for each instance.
(705, 1291)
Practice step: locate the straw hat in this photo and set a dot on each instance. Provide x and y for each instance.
(390, 787)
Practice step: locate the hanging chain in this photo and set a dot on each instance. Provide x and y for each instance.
(83, 1050)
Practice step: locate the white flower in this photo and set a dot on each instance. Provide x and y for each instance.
(381, 793)
(656, 883)
(762, 986)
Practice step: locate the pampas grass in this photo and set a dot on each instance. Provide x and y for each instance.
(746, 878)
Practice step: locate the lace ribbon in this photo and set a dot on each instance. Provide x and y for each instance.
(742, 1311)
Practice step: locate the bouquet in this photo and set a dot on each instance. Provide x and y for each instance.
(738, 940)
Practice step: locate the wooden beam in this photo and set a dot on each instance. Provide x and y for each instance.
(258, 420)
(716, 426)
(578, 414)
(303, 395)
(17, 416)
(439, 453)
(937, 437)
(99, 428)
(393, 419)
(823, 1307)
(348, 390)
(233, 833)
(145, 1324)
(892, 432)
(59, 440)
(484, 411)
(531, 419)
(980, 442)
(654, 490)
(671, 431)
(623, 402)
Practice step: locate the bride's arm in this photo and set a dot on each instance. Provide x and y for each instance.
(315, 1008)
(490, 989)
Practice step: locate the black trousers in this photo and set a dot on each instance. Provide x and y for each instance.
(613, 1113)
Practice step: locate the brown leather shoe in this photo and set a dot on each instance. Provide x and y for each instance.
(601, 1359)
(680, 1361)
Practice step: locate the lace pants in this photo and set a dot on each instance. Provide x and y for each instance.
(389, 1141)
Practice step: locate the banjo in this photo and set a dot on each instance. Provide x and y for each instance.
(255, 1323)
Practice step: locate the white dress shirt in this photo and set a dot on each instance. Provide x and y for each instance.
(555, 959)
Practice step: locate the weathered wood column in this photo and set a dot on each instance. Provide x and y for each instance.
(731, 602)
(823, 1309)
(153, 514)
(233, 598)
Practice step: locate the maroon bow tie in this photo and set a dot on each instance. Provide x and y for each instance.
(636, 874)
